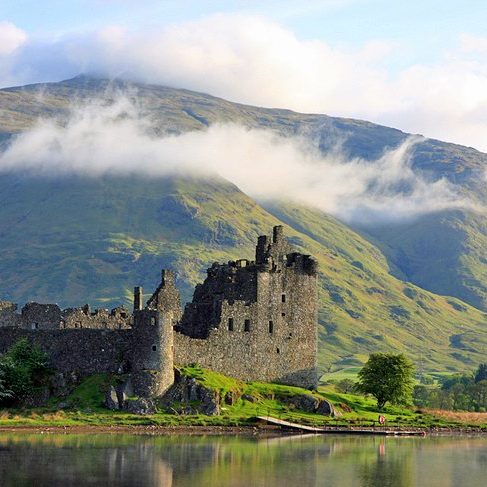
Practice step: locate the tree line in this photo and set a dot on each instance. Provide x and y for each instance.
(389, 378)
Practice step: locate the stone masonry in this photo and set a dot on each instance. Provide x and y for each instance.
(253, 320)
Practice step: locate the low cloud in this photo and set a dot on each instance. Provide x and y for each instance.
(115, 139)
(250, 59)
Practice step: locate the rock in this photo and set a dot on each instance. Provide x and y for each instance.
(191, 397)
(325, 408)
(306, 402)
(111, 399)
(124, 391)
(231, 397)
(249, 398)
(140, 406)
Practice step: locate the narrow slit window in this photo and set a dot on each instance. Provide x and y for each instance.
(271, 327)
(154, 348)
(247, 325)
(153, 321)
(283, 298)
(230, 324)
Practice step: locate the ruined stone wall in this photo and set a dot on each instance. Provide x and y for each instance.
(270, 335)
(231, 282)
(9, 315)
(116, 319)
(81, 352)
(37, 316)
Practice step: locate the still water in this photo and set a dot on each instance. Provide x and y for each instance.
(176, 461)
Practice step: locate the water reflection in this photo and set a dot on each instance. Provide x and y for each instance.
(178, 461)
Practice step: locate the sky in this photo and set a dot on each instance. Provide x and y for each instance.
(420, 66)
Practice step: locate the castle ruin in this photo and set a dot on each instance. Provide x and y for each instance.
(252, 320)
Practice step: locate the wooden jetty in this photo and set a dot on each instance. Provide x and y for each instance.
(349, 430)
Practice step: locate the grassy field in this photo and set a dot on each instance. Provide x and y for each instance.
(84, 407)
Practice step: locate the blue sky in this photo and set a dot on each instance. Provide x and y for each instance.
(420, 65)
(426, 27)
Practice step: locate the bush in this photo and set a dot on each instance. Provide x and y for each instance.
(22, 368)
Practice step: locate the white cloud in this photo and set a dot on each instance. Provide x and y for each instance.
(11, 38)
(99, 139)
(253, 60)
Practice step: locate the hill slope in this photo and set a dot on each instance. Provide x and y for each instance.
(75, 239)
(71, 239)
(174, 111)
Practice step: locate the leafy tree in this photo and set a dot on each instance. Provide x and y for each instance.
(388, 377)
(481, 373)
(22, 368)
(4, 392)
(453, 380)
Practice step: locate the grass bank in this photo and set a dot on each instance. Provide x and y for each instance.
(84, 408)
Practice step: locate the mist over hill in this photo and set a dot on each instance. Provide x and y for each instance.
(103, 182)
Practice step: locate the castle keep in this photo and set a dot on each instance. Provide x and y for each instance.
(253, 320)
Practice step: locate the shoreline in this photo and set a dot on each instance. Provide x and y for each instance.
(245, 430)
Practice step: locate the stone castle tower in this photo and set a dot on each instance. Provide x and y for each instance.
(153, 338)
(255, 320)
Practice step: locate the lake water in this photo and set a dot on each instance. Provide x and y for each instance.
(174, 461)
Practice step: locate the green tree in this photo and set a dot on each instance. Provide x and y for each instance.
(481, 373)
(388, 377)
(4, 392)
(22, 368)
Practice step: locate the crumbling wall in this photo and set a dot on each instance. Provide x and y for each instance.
(79, 352)
(258, 321)
(117, 319)
(9, 315)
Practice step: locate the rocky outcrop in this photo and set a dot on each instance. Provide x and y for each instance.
(188, 396)
(310, 404)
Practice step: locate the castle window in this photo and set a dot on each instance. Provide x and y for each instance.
(35, 326)
(154, 348)
(230, 324)
(277, 350)
(271, 327)
(153, 321)
(283, 314)
(247, 325)
(283, 298)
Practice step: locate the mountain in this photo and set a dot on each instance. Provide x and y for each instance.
(72, 238)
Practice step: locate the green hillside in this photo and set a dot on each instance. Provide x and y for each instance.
(174, 111)
(75, 239)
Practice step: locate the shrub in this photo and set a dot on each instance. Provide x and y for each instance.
(22, 368)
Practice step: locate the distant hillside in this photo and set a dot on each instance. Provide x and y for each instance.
(71, 239)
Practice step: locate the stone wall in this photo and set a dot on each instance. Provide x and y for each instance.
(81, 352)
(37, 316)
(255, 321)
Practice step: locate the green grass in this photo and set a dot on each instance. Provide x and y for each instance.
(85, 408)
